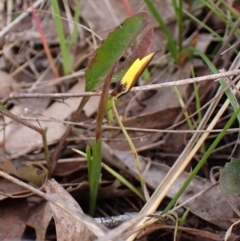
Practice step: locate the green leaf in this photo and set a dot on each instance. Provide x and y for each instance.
(67, 57)
(112, 48)
(140, 50)
(27, 173)
(95, 174)
(171, 45)
(230, 178)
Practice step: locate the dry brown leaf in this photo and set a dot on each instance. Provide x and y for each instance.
(204, 40)
(158, 119)
(68, 168)
(7, 84)
(106, 15)
(10, 189)
(92, 105)
(166, 97)
(20, 140)
(39, 219)
(203, 206)
(67, 227)
(13, 213)
(100, 16)
(34, 105)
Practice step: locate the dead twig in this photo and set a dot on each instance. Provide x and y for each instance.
(134, 89)
(10, 26)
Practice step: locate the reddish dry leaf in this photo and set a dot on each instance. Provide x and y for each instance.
(144, 46)
(67, 227)
(39, 219)
(13, 213)
(139, 51)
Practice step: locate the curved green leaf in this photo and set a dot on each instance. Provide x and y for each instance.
(112, 48)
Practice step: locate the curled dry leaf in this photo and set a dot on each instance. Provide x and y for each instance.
(39, 219)
(67, 227)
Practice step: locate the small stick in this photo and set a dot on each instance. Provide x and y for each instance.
(16, 21)
(134, 89)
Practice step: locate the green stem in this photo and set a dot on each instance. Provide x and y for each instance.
(133, 149)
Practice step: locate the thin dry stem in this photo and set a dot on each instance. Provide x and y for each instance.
(16, 21)
(134, 89)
